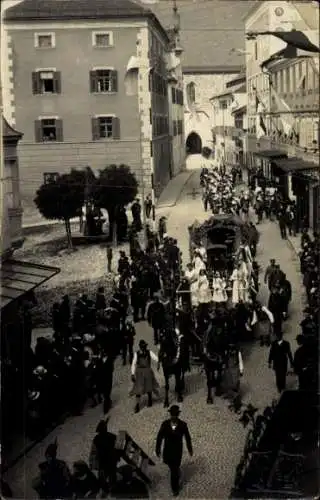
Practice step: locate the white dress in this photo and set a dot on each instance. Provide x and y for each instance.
(204, 292)
(193, 280)
(219, 290)
(235, 286)
(203, 253)
(244, 280)
(198, 265)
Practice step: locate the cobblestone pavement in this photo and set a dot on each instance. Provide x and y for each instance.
(217, 435)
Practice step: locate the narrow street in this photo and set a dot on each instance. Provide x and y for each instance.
(218, 437)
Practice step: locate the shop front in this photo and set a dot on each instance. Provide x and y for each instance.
(266, 161)
(302, 180)
(18, 282)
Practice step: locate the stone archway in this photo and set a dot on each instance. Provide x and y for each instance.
(193, 144)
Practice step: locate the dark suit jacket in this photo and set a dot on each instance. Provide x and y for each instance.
(173, 442)
(279, 355)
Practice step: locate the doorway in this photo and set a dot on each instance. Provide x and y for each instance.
(193, 144)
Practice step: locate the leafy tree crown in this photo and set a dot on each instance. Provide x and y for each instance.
(61, 198)
(116, 186)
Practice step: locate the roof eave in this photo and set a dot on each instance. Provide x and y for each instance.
(52, 18)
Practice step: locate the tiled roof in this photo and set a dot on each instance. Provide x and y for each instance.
(8, 131)
(57, 10)
(74, 9)
(210, 29)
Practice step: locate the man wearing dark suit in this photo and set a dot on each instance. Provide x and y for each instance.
(280, 353)
(172, 432)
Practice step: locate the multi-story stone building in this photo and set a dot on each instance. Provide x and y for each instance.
(229, 109)
(212, 36)
(68, 68)
(283, 86)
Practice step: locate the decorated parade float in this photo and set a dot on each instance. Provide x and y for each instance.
(226, 240)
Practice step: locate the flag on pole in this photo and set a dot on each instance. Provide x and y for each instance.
(287, 119)
(294, 38)
(261, 129)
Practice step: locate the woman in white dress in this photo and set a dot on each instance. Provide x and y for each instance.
(202, 252)
(198, 263)
(192, 277)
(219, 288)
(244, 281)
(204, 292)
(235, 279)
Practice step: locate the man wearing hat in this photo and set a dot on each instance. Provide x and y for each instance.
(172, 432)
(142, 374)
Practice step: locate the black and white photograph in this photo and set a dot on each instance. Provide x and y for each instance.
(160, 249)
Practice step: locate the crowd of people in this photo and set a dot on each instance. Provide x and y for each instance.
(206, 310)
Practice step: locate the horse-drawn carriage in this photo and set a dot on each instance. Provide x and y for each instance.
(221, 236)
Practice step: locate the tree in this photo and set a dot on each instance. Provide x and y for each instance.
(62, 199)
(115, 187)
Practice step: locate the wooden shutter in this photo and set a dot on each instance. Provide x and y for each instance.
(114, 80)
(59, 131)
(57, 82)
(37, 131)
(95, 129)
(93, 82)
(115, 127)
(36, 82)
(173, 92)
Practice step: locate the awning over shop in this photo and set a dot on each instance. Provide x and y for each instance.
(18, 278)
(270, 153)
(299, 166)
(240, 110)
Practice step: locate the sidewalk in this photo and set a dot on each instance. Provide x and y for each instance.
(173, 190)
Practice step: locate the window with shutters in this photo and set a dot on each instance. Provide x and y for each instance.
(48, 130)
(46, 82)
(102, 39)
(105, 127)
(103, 81)
(44, 40)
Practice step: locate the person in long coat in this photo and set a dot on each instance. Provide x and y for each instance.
(233, 371)
(103, 456)
(142, 374)
(280, 354)
(172, 432)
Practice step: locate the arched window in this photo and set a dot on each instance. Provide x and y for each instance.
(191, 93)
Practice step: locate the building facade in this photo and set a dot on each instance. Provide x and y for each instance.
(11, 213)
(199, 86)
(283, 100)
(176, 108)
(207, 63)
(229, 111)
(68, 69)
